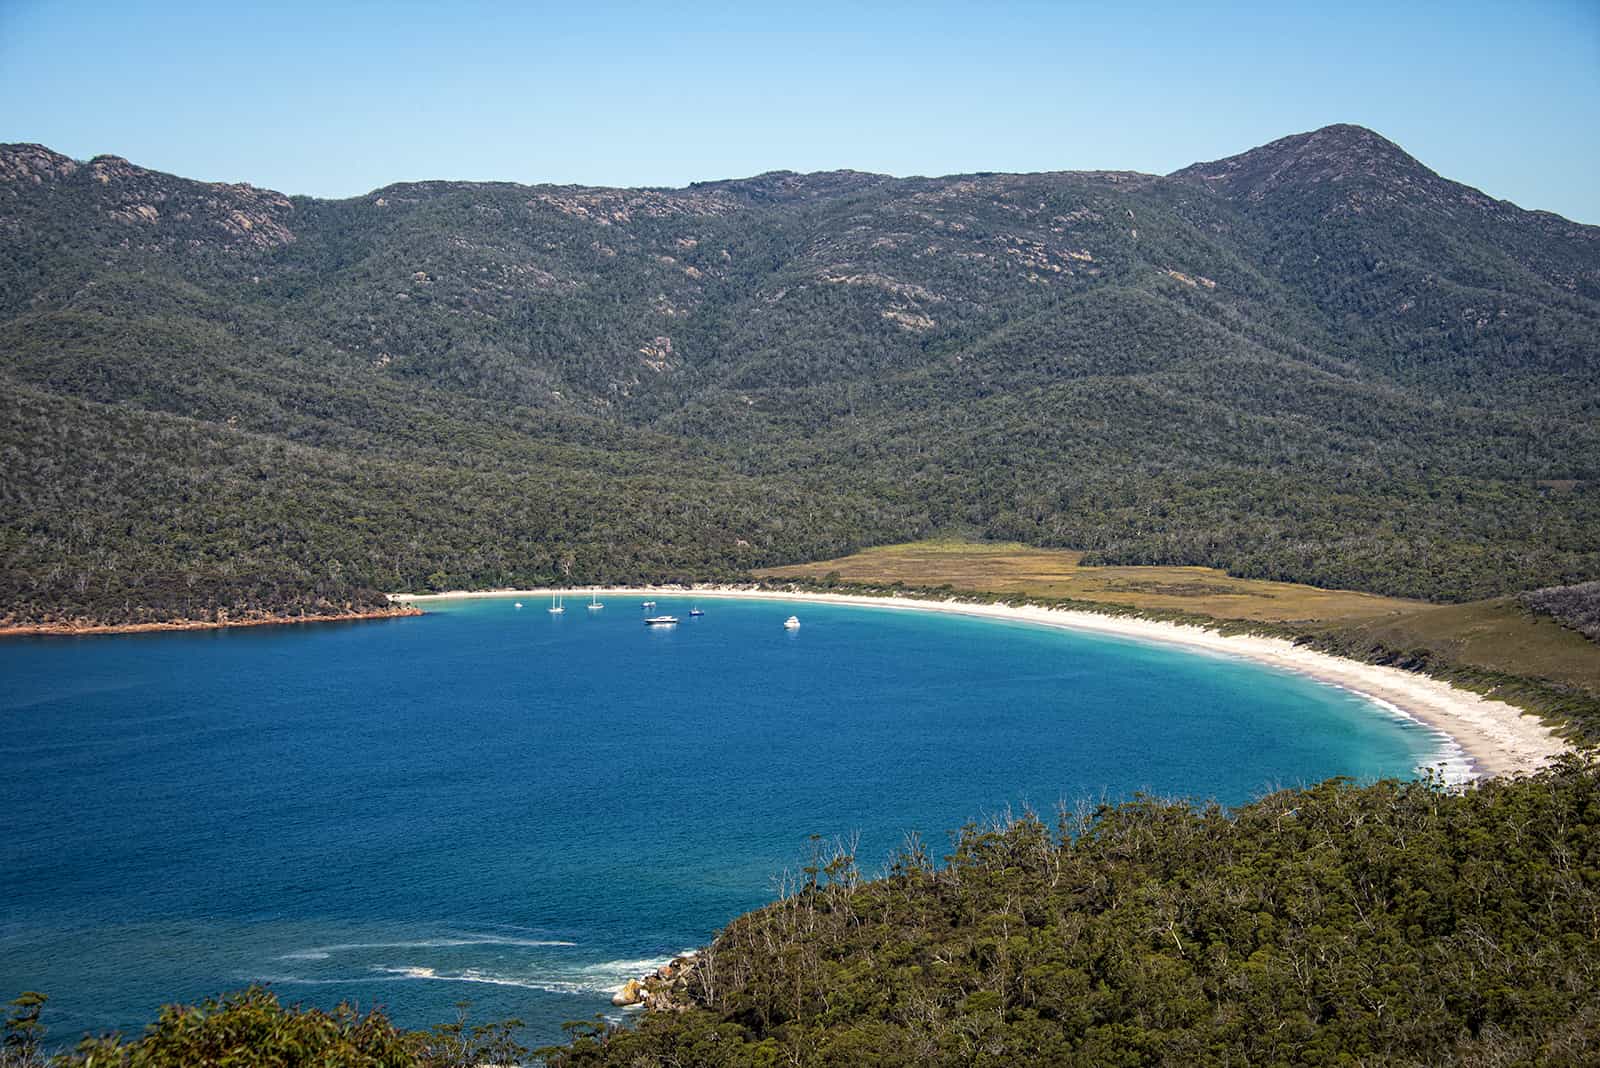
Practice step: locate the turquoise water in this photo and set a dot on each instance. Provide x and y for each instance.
(523, 810)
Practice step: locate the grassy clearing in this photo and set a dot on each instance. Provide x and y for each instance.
(1498, 635)
(1057, 573)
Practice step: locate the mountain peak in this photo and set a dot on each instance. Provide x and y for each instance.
(1348, 134)
(1341, 153)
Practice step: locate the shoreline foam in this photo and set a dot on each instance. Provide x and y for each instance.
(1479, 737)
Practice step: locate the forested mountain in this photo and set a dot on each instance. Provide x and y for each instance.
(1315, 361)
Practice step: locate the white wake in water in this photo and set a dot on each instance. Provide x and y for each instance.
(324, 952)
(550, 976)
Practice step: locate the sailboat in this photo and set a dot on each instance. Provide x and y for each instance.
(594, 601)
(557, 602)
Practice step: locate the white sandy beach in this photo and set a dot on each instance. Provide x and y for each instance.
(1479, 736)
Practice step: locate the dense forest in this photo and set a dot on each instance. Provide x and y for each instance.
(1317, 361)
(1390, 924)
(1397, 923)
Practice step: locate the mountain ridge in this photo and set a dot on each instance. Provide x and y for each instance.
(1345, 138)
(1155, 369)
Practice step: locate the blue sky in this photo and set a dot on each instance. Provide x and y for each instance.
(336, 99)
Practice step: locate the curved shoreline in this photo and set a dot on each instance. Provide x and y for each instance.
(1496, 738)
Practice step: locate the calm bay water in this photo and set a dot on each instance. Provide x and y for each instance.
(522, 810)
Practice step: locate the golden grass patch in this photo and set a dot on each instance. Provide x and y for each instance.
(1021, 569)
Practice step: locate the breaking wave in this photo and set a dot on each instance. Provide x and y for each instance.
(605, 977)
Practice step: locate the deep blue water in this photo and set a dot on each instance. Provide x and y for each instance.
(523, 809)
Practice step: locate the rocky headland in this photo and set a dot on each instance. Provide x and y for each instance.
(667, 989)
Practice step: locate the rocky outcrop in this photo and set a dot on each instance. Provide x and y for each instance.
(35, 164)
(608, 207)
(176, 214)
(667, 989)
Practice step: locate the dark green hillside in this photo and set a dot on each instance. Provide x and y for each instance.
(1425, 280)
(137, 517)
(1317, 361)
(1393, 924)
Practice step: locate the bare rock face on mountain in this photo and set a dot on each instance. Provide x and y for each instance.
(175, 215)
(35, 164)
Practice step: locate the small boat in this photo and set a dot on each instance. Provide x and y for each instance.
(595, 602)
(647, 604)
(519, 604)
(696, 612)
(792, 623)
(557, 603)
(661, 621)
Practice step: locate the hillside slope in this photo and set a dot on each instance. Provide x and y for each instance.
(1392, 924)
(1317, 361)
